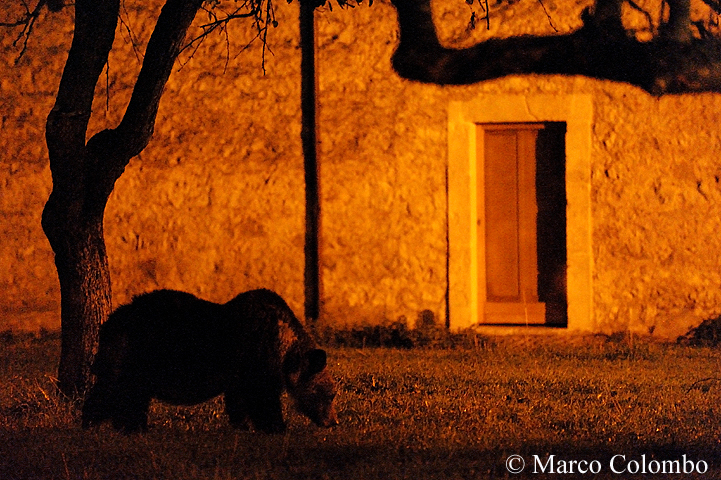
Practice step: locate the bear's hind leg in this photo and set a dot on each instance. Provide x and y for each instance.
(237, 410)
(132, 414)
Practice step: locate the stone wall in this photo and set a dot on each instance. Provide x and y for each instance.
(657, 210)
(214, 205)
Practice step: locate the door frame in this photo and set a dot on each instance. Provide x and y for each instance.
(576, 110)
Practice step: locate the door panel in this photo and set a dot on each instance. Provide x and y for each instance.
(501, 210)
(508, 283)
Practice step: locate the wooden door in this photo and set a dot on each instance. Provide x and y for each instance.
(508, 279)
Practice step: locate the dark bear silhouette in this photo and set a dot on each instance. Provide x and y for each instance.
(182, 350)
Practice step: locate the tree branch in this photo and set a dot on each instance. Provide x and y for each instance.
(678, 27)
(113, 148)
(27, 21)
(607, 15)
(163, 48)
(219, 24)
(66, 127)
(599, 50)
(261, 11)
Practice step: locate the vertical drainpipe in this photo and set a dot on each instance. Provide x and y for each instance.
(308, 139)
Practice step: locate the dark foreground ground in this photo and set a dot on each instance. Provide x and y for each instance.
(419, 414)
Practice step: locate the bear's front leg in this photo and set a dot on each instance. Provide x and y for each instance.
(268, 417)
(266, 413)
(98, 406)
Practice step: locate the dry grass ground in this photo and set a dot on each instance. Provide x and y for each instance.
(418, 413)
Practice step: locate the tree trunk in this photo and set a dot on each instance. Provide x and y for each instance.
(84, 175)
(75, 235)
(85, 291)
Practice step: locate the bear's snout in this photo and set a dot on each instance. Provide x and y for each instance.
(330, 420)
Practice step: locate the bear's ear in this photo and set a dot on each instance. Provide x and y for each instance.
(317, 360)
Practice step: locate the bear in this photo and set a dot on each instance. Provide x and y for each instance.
(182, 350)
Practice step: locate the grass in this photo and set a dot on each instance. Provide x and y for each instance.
(405, 413)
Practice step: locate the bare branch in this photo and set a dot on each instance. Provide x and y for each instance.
(659, 66)
(649, 19)
(131, 36)
(703, 384)
(165, 44)
(548, 16)
(217, 24)
(607, 15)
(27, 22)
(262, 13)
(487, 9)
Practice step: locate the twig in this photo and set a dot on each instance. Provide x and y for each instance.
(27, 21)
(131, 36)
(488, 15)
(649, 19)
(65, 464)
(472, 21)
(261, 11)
(703, 380)
(548, 16)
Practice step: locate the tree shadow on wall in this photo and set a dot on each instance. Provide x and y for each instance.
(675, 60)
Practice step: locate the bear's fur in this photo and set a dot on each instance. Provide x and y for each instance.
(182, 350)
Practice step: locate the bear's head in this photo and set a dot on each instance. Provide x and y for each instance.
(313, 389)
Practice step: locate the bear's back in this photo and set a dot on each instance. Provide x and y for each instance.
(167, 331)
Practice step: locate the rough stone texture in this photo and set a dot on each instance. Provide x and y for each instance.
(657, 208)
(214, 205)
(382, 141)
(30, 297)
